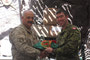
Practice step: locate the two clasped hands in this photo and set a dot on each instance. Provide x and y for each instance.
(46, 52)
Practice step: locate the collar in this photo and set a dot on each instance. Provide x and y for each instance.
(28, 30)
(68, 25)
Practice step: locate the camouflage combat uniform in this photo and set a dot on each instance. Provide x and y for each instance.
(22, 41)
(69, 42)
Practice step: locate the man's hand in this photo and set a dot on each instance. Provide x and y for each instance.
(49, 50)
(46, 52)
(43, 54)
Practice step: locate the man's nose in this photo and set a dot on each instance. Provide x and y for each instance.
(30, 19)
(59, 19)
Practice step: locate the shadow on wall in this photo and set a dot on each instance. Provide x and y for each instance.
(4, 34)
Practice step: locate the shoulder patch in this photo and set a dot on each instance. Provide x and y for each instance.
(74, 28)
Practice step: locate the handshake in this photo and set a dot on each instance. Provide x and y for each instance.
(46, 52)
(46, 47)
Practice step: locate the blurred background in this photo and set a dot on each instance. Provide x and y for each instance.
(10, 13)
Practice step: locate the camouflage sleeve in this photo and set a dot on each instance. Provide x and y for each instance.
(71, 43)
(17, 38)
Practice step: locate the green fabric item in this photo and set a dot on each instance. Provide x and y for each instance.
(54, 45)
(39, 46)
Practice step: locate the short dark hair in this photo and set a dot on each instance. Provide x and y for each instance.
(61, 10)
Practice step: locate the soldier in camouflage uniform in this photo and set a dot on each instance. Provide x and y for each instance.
(22, 39)
(69, 39)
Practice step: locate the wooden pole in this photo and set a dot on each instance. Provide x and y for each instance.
(20, 9)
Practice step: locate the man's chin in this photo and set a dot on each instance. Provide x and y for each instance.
(30, 25)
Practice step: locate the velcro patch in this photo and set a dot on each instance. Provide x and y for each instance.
(74, 28)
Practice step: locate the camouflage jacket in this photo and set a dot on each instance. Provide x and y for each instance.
(69, 42)
(22, 41)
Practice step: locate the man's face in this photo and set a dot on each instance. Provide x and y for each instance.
(28, 19)
(61, 19)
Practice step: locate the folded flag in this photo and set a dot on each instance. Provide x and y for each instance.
(46, 43)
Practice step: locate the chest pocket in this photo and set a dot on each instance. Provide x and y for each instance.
(31, 39)
(63, 38)
(28, 38)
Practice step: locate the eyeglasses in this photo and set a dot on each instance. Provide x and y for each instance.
(30, 17)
